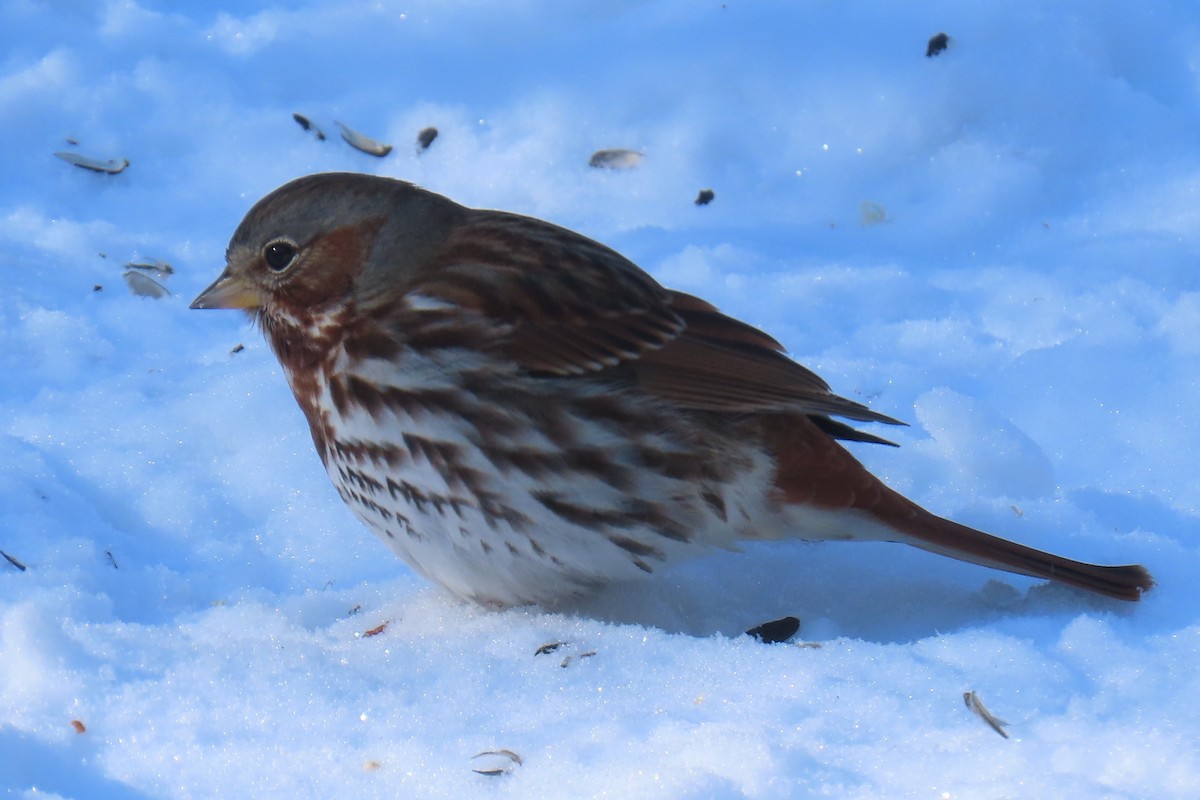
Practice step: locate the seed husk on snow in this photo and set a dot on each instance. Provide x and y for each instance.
(309, 125)
(776, 631)
(547, 648)
(972, 701)
(155, 265)
(937, 43)
(426, 137)
(569, 659)
(499, 762)
(871, 213)
(143, 285)
(615, 158)
(378, 629)
(110, 166)
(364, 143)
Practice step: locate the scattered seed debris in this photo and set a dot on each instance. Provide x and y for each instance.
(143, 285)
(157, 265)
(975, 704)
(937, 43)
(13, 561)
(370, 765)
(425, 138)
(570, 659)
(354, 610)
(309, 125)
(378, 629)
(871, 213)
(97, 288)
(1017, 510)
(364, 143)
(499, 762)
(111, 559)
(237, 348)
(616, 158)
(78, 726)
(705, 197)
(110, 167)
(776, 631)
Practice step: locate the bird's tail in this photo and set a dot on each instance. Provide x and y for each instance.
(927, 531)
(816, 473)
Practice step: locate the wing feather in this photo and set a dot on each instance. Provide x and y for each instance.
(564, 305)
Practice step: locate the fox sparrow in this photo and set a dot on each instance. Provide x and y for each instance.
(523, 415)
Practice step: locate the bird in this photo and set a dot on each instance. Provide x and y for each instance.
(525, 416)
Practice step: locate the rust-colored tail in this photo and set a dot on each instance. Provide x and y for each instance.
(816, 472)
(930, 532)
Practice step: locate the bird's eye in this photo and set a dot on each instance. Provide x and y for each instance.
(279, 254)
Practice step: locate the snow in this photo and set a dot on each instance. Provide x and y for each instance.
(996, 244)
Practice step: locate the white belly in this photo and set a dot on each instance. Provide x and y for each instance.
(537, 503)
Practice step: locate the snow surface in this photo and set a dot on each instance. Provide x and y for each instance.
(198, 598)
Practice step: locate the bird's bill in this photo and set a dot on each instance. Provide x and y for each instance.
(228, 291)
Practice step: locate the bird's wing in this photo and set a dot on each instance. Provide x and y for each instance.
(560, 304)
(721, 364)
